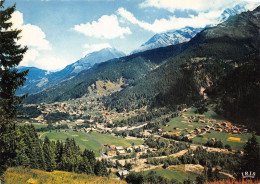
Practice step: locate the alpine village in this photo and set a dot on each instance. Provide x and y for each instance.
(185, 112)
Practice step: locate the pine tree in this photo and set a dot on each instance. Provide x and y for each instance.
(91, 158)
(22, 157)
(85, 166)
(58, 151)
(49, 154)
(11, 54)
(100, 168)
(33, 147)
(251, 157)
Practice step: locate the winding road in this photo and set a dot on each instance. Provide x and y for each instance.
(101, 145)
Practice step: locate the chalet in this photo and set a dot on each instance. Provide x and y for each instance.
(146, 134)
(189, 136)
(112, 146)
(245, 130)
(224, 124)
(197, 130)
(146, 147)
(219, 129)
(111, 152)
(120, 149)
(129, 149)
(122, 173)
(234, 132)
(202, 121)
(142, 147)
(218, 125)
(139, 147)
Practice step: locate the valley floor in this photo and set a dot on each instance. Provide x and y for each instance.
(107, 133)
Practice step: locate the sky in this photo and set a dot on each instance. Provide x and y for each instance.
(59, 32)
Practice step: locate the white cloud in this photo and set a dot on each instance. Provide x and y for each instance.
(17, 19)
(161, 25)
(51, 62)
(34, 38)
(31, 35)
(197, 5)
(95, 47)
(44, 61)
(29, 57)
(106, 26)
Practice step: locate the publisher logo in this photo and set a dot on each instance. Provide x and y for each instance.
(248, 174)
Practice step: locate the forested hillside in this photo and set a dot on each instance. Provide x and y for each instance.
(236, 95)
(174, 75)
(211, 54)
(130, 68)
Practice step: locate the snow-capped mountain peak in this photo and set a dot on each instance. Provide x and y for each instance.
(169, 38)
(230, 12)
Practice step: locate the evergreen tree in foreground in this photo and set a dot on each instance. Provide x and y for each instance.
(49, 154)
(251, 157)
(11, 54)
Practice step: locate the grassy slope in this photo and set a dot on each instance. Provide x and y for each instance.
(81, 139)
(85, 141)
(179, 173)
(180, 123)
(224, 136)
(119, 141)
(172, 173)
(21, 175)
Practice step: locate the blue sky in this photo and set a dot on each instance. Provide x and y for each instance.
(59, 32)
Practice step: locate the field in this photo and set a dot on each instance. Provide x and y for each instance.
(22, 175)
(173, 173)
(236, 143)
(182, 122)
(39, 125)
(114, 140)
(81, 139)
(178, 173)
(225, 138)
(89, 141)
(33, 122)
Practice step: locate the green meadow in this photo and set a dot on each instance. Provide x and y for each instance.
(89, 140)
(175, 174)
(182, 123)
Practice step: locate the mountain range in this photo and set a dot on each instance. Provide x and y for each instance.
(185, 34)
(174, 75)
(169, 38)
(38, 79)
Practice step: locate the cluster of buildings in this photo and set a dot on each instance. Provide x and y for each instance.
(229, 128)
(113, 150)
